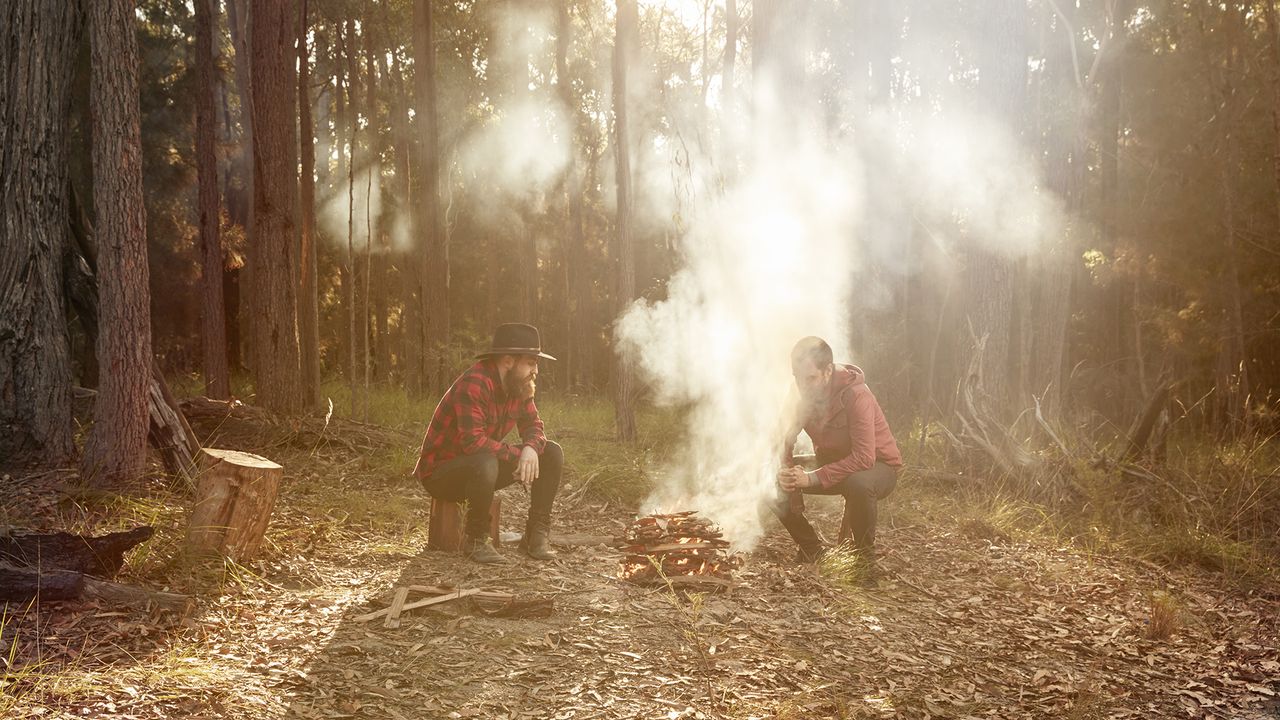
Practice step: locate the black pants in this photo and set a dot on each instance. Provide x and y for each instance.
(474, 479)
(861, 491)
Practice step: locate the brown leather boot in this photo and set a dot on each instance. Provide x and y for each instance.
(479, 550)
(536, 542)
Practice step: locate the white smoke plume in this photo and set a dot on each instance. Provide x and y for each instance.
(767, 263)
(779, 255)
(361, 203)
(520, 150)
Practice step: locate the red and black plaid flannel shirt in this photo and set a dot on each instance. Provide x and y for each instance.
(474, 416)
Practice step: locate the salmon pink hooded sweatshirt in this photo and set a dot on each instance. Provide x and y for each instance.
(852, 428)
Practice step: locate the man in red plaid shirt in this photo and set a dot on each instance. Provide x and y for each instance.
(465, 456)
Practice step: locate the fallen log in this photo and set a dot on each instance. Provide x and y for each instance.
(102, 556)
(26, 583)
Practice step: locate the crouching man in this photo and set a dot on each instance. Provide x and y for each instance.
(465, 457)
(856, 453)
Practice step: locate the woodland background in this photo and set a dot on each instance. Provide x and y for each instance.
(355, 193)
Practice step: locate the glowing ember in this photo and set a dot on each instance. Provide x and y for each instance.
(675, 548)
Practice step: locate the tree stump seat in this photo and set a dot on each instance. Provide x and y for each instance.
(447, 524)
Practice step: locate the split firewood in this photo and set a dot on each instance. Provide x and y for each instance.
(397, 606)
(419, 604)
(658, 549)
(101, 556)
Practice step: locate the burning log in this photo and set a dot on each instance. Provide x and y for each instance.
(676, 549)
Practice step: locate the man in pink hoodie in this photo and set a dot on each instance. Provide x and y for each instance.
(856, 453)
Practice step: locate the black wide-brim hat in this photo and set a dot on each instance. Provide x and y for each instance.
(515, 339)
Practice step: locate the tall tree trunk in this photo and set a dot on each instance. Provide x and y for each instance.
(1236, 391)
(1064, 153)
(1118, 296)
(433, 258)
(116, 448)
(308, 288)
(574, 241)
(340, 187)
(350, 280)
(623, 50)
(240, 336)
(402, 139)
(275, 206)
(990, 277)
(380, 290)
(728, 94)
(217, 381)
(38, 45)
(1273, 40)
(371, 231)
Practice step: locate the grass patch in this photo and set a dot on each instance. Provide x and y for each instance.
(1211, 505)
(1165, 617)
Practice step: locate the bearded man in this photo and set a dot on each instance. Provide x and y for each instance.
(856, 453)
(465, 456)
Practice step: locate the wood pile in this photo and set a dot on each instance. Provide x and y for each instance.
(676, 549)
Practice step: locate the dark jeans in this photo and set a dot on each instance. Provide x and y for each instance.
(861, 490)
(474, 479)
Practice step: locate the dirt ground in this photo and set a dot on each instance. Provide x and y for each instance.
(969, 621)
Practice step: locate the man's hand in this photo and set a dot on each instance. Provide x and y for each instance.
(793, 478)
(527, 466)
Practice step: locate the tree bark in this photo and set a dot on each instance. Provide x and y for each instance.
(728, 96)
(38, 44)
(1236, 391)
(433, 258)
(576, 299)
(1273, 40)
(102, 556)
(275, 206)
(1064, 153)
(217, 381)
(372, 225)
(404, 256)
(352, 274)
(308, 288)
(116, 448)
(234, 501)
(623, 381)
(240, 303)
(990, 276)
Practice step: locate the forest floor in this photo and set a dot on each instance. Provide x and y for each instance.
(973, 618)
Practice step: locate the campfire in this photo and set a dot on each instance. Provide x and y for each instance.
(676, 549)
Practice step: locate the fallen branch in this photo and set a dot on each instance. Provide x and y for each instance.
(1141, 435)
(419, 604)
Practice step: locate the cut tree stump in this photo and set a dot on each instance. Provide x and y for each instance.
(235, 494)
(101, 556)
(447, 524)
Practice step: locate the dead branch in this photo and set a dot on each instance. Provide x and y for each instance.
(1146, 423)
